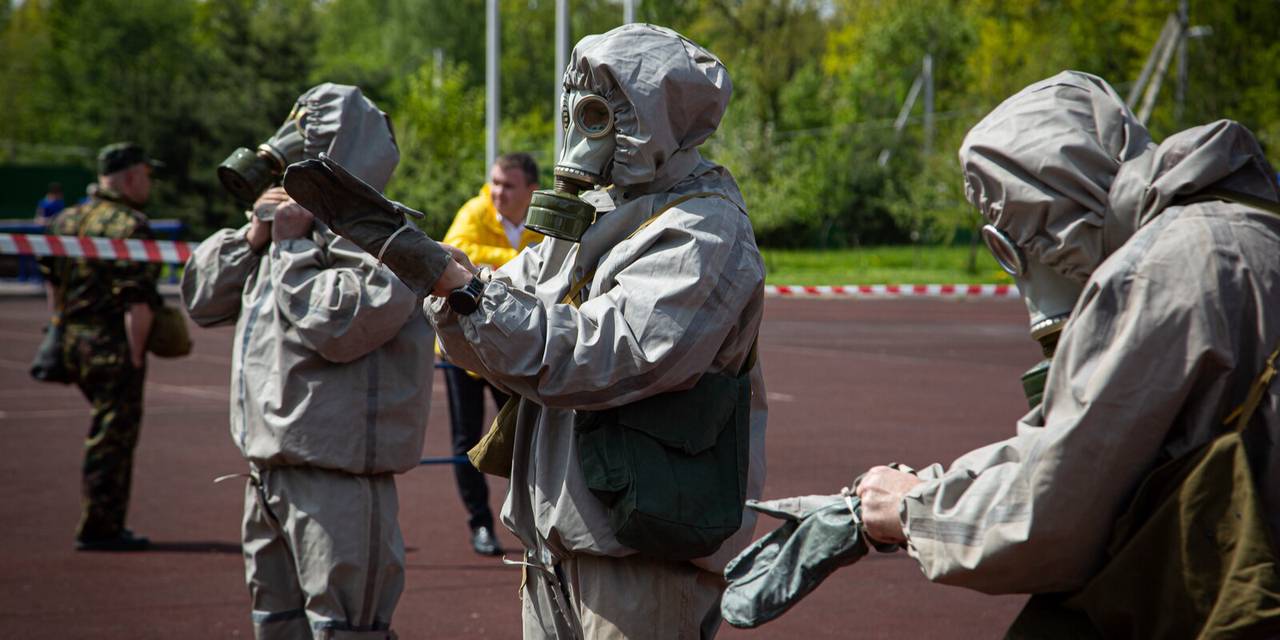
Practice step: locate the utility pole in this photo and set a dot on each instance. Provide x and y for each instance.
(1173, 40)
(927, 73)
(628, 11)
(901, 121)
(562, 60)
(1162, 67)
(492, 83)
(1180, 101)
(1166, 33)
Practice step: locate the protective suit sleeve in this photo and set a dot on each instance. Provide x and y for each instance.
(468, 233)
(1033, 513)
(658, 327)
(342, 304)
(215, 275)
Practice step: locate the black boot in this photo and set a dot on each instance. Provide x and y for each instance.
(126, 540)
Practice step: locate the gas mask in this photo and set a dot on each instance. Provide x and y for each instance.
(1049, 296)
(586, 161)
(246, 174)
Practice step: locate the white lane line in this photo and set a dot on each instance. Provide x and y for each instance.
(84, 412)
(885, 358)
(214, 393)
(47, 391)
(23, 335)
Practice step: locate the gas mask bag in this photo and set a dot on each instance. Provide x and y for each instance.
(586, 159)
(328, 118)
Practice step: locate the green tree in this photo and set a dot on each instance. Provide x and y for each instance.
(440, 129)
(26, 96)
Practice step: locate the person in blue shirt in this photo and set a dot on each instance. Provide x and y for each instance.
(51, 204)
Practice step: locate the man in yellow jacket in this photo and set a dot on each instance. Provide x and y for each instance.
(489, 228)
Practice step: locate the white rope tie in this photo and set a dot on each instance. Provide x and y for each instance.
(386, 244)
(847, 493)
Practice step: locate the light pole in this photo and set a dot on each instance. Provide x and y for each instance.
(492, 83)
(562, 60)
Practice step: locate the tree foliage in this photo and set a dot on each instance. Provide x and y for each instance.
(817, 85)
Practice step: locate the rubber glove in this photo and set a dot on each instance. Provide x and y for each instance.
(819, 534)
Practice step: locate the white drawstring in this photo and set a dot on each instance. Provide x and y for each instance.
(388, 242)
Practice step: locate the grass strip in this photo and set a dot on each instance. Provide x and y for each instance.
(882, 265)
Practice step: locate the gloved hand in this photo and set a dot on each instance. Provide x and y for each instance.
(359, 213)
(819, 535)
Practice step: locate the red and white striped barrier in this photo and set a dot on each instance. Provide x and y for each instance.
(894, 291)
(34, 244)
(176, 252)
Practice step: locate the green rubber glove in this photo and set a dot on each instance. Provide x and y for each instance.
(819, 534)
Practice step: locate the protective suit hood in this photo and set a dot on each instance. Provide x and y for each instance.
(1039, 167)
(1220, 155)
(1069, 173)
(667, 95)
(350, 128)
(328, 118)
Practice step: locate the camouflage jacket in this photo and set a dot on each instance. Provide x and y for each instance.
(99, 291)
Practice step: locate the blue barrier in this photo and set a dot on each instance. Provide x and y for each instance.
(445, 460)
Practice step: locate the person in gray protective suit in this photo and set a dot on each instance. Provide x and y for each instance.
(1140, 497)
(646, 288)
(1171, 251)
(330, 389)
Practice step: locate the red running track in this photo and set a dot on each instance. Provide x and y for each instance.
(851, 384)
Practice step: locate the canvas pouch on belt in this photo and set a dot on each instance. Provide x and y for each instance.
(671, 469)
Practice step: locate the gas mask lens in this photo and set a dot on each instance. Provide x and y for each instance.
(586, 122)
(593, 117)
(1007, 254)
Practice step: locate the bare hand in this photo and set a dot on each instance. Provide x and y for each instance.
(882, 490)
(260, 230)
(454, 276)
(270, 199)
(291, 221)
(460, 257)
(259, 234)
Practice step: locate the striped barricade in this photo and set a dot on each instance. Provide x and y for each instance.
(34, 244)
(894, 291)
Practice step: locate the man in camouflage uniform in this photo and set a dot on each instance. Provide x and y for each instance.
(107, 310)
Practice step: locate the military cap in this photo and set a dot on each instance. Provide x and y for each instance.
(122, 155)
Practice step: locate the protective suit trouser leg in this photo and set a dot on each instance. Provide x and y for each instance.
(339, 532)
(279, 606)
(633, 598)
(115, 393)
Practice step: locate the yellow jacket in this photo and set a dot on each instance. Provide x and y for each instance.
(477, 231)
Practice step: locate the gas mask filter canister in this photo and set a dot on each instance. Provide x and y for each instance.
(586, 159)
(1049, 296)
(246, 174)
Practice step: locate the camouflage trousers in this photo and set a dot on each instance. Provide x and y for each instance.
(99, 357)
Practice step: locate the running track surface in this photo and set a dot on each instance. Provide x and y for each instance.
(851, 384)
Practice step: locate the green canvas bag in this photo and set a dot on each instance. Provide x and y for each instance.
(494, 452)
(672, 469)
(1190, 557)
(169, 337)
